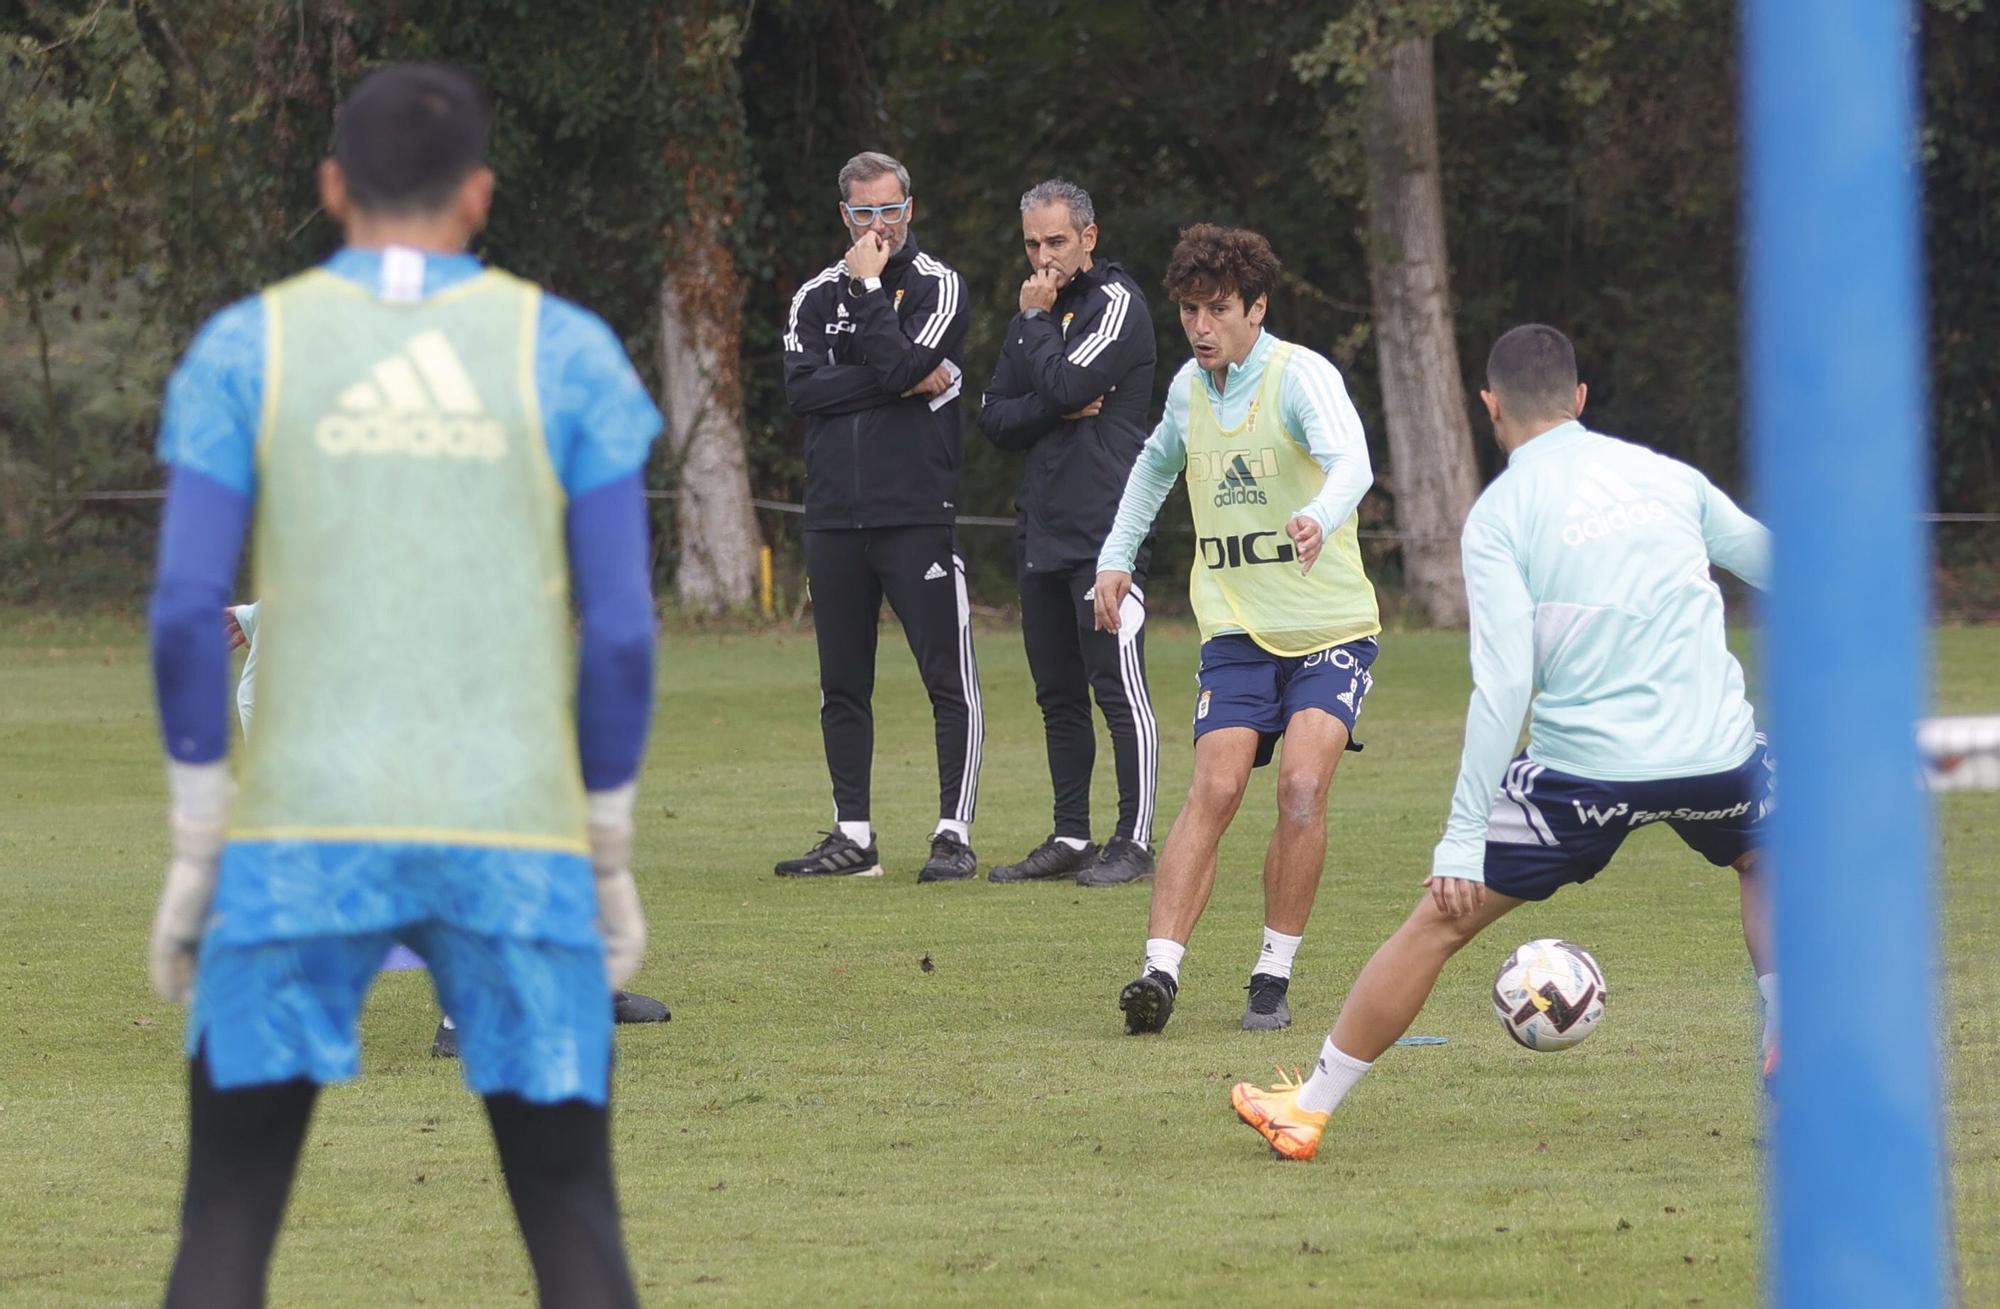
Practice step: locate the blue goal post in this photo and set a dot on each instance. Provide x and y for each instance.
(1838, 417)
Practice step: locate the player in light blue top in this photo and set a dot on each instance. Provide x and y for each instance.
(1594, 614)
(1313, 404)
(1276, 465)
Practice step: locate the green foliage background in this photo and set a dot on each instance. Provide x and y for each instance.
(155, 163)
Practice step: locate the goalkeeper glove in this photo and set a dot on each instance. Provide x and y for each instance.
(198, 798)
(619, 917)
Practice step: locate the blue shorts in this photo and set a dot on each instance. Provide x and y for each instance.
(1244, 685)
(533, 1017)
(1549, 829)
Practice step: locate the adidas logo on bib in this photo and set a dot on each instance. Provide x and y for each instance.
(933, 573)
(1606, 504)
(419, 403)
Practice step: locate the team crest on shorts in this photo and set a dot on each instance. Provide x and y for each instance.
(1201, 706)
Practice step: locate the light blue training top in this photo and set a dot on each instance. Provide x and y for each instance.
(1594, 614)
(1315, 409)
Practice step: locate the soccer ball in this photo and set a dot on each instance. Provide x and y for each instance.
(1549, 995)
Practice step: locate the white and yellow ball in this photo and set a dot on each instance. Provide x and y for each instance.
(1549, 994)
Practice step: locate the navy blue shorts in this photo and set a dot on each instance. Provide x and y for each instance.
(1549, 829)
(1244, 685)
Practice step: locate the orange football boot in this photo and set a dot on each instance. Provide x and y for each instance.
(1274, 1114)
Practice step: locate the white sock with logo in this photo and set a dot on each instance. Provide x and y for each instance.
(1768, 986)
(1275, 959)
(1164, 956)
(963, 831)
(858, 833)
(1074, 843)
(1332, 1078)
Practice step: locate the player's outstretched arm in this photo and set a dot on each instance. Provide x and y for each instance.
(1503, 671)
(1735, 540)
(1160, 463)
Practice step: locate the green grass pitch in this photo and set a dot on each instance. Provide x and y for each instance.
(875, 1093)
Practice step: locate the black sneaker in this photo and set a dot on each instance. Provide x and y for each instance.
(951, 860)
(837, 856)
(1267, 1010)
(631, 1007)
(1148, 1002)
(1120, 861)
(445, 1044)
(1051, 859)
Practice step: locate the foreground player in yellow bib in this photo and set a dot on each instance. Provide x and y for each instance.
(433, 459)
(1276, 464)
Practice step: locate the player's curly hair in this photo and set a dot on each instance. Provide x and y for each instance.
(1211, 260)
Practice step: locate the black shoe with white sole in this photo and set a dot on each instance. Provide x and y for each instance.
(445, 1044)
(836, 856)
(1047, 862)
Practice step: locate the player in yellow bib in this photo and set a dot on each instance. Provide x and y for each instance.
(441, 468)
(1275, 463)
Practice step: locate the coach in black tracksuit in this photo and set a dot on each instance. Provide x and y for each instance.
(1073, 388)
(872, 361)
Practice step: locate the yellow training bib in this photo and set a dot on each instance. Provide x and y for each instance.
(1244, 485)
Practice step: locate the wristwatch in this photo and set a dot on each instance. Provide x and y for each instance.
(863, 284)
(1036, 312)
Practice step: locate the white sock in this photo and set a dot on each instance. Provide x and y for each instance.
(1768, 985)
(963, 831)
(447, 1024)
(857, 833)
(1275, 959)
(1074, 843)
(1332, 1078)
(1164, 956)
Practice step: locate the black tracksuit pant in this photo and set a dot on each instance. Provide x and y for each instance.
(919, 570)
(1070, 659)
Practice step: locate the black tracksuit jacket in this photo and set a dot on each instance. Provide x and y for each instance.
(1097, 342)
(873, 457)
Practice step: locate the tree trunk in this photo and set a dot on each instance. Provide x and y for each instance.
(1423, 399)
(701, 321)
(701, 335)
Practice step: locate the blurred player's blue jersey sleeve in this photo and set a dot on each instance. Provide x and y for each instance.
(209, 425)
(598, 418)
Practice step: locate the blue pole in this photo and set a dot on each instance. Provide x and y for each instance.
(1838, 419)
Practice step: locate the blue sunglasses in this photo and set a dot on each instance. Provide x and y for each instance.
(865, 215)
